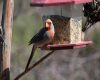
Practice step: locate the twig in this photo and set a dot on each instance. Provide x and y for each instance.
(31, 56)
(34, 65)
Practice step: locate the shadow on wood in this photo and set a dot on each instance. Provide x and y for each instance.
(6, 74)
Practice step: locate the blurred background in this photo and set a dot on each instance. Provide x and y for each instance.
(76, 64)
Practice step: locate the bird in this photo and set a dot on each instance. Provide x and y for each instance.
(42, 38)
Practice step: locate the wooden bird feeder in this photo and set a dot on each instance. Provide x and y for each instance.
(67, 19)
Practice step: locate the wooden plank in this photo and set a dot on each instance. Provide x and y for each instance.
(7, 39)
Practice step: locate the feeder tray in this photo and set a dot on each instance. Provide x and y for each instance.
(67, 46)
(67, 34)
(56, 2)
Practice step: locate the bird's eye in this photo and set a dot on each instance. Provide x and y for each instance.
(49, 23)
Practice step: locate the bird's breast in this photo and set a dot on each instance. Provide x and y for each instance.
(51, 34)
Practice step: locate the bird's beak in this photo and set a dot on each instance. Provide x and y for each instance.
(47, 25)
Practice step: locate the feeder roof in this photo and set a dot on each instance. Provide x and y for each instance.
(57, 2)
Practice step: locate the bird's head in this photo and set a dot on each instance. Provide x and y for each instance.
(49, 24)
(50, 28)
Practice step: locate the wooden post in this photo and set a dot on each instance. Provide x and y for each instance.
(7, 25)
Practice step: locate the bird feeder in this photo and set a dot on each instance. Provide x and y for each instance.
(67, 19)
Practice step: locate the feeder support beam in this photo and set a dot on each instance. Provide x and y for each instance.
(7, 36)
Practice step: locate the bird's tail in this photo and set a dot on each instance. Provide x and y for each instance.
(31, 56)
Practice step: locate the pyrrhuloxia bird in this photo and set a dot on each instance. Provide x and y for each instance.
(43, 37)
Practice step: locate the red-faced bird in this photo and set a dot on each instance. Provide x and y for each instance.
(43, 37)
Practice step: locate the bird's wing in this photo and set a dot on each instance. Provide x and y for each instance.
(38, 37)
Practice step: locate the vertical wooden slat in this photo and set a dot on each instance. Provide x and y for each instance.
(7, 40)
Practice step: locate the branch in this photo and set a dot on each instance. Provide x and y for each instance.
(34, 65)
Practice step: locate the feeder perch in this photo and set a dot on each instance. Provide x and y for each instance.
(67, 19)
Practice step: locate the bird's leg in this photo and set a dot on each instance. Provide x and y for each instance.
(30, 58)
